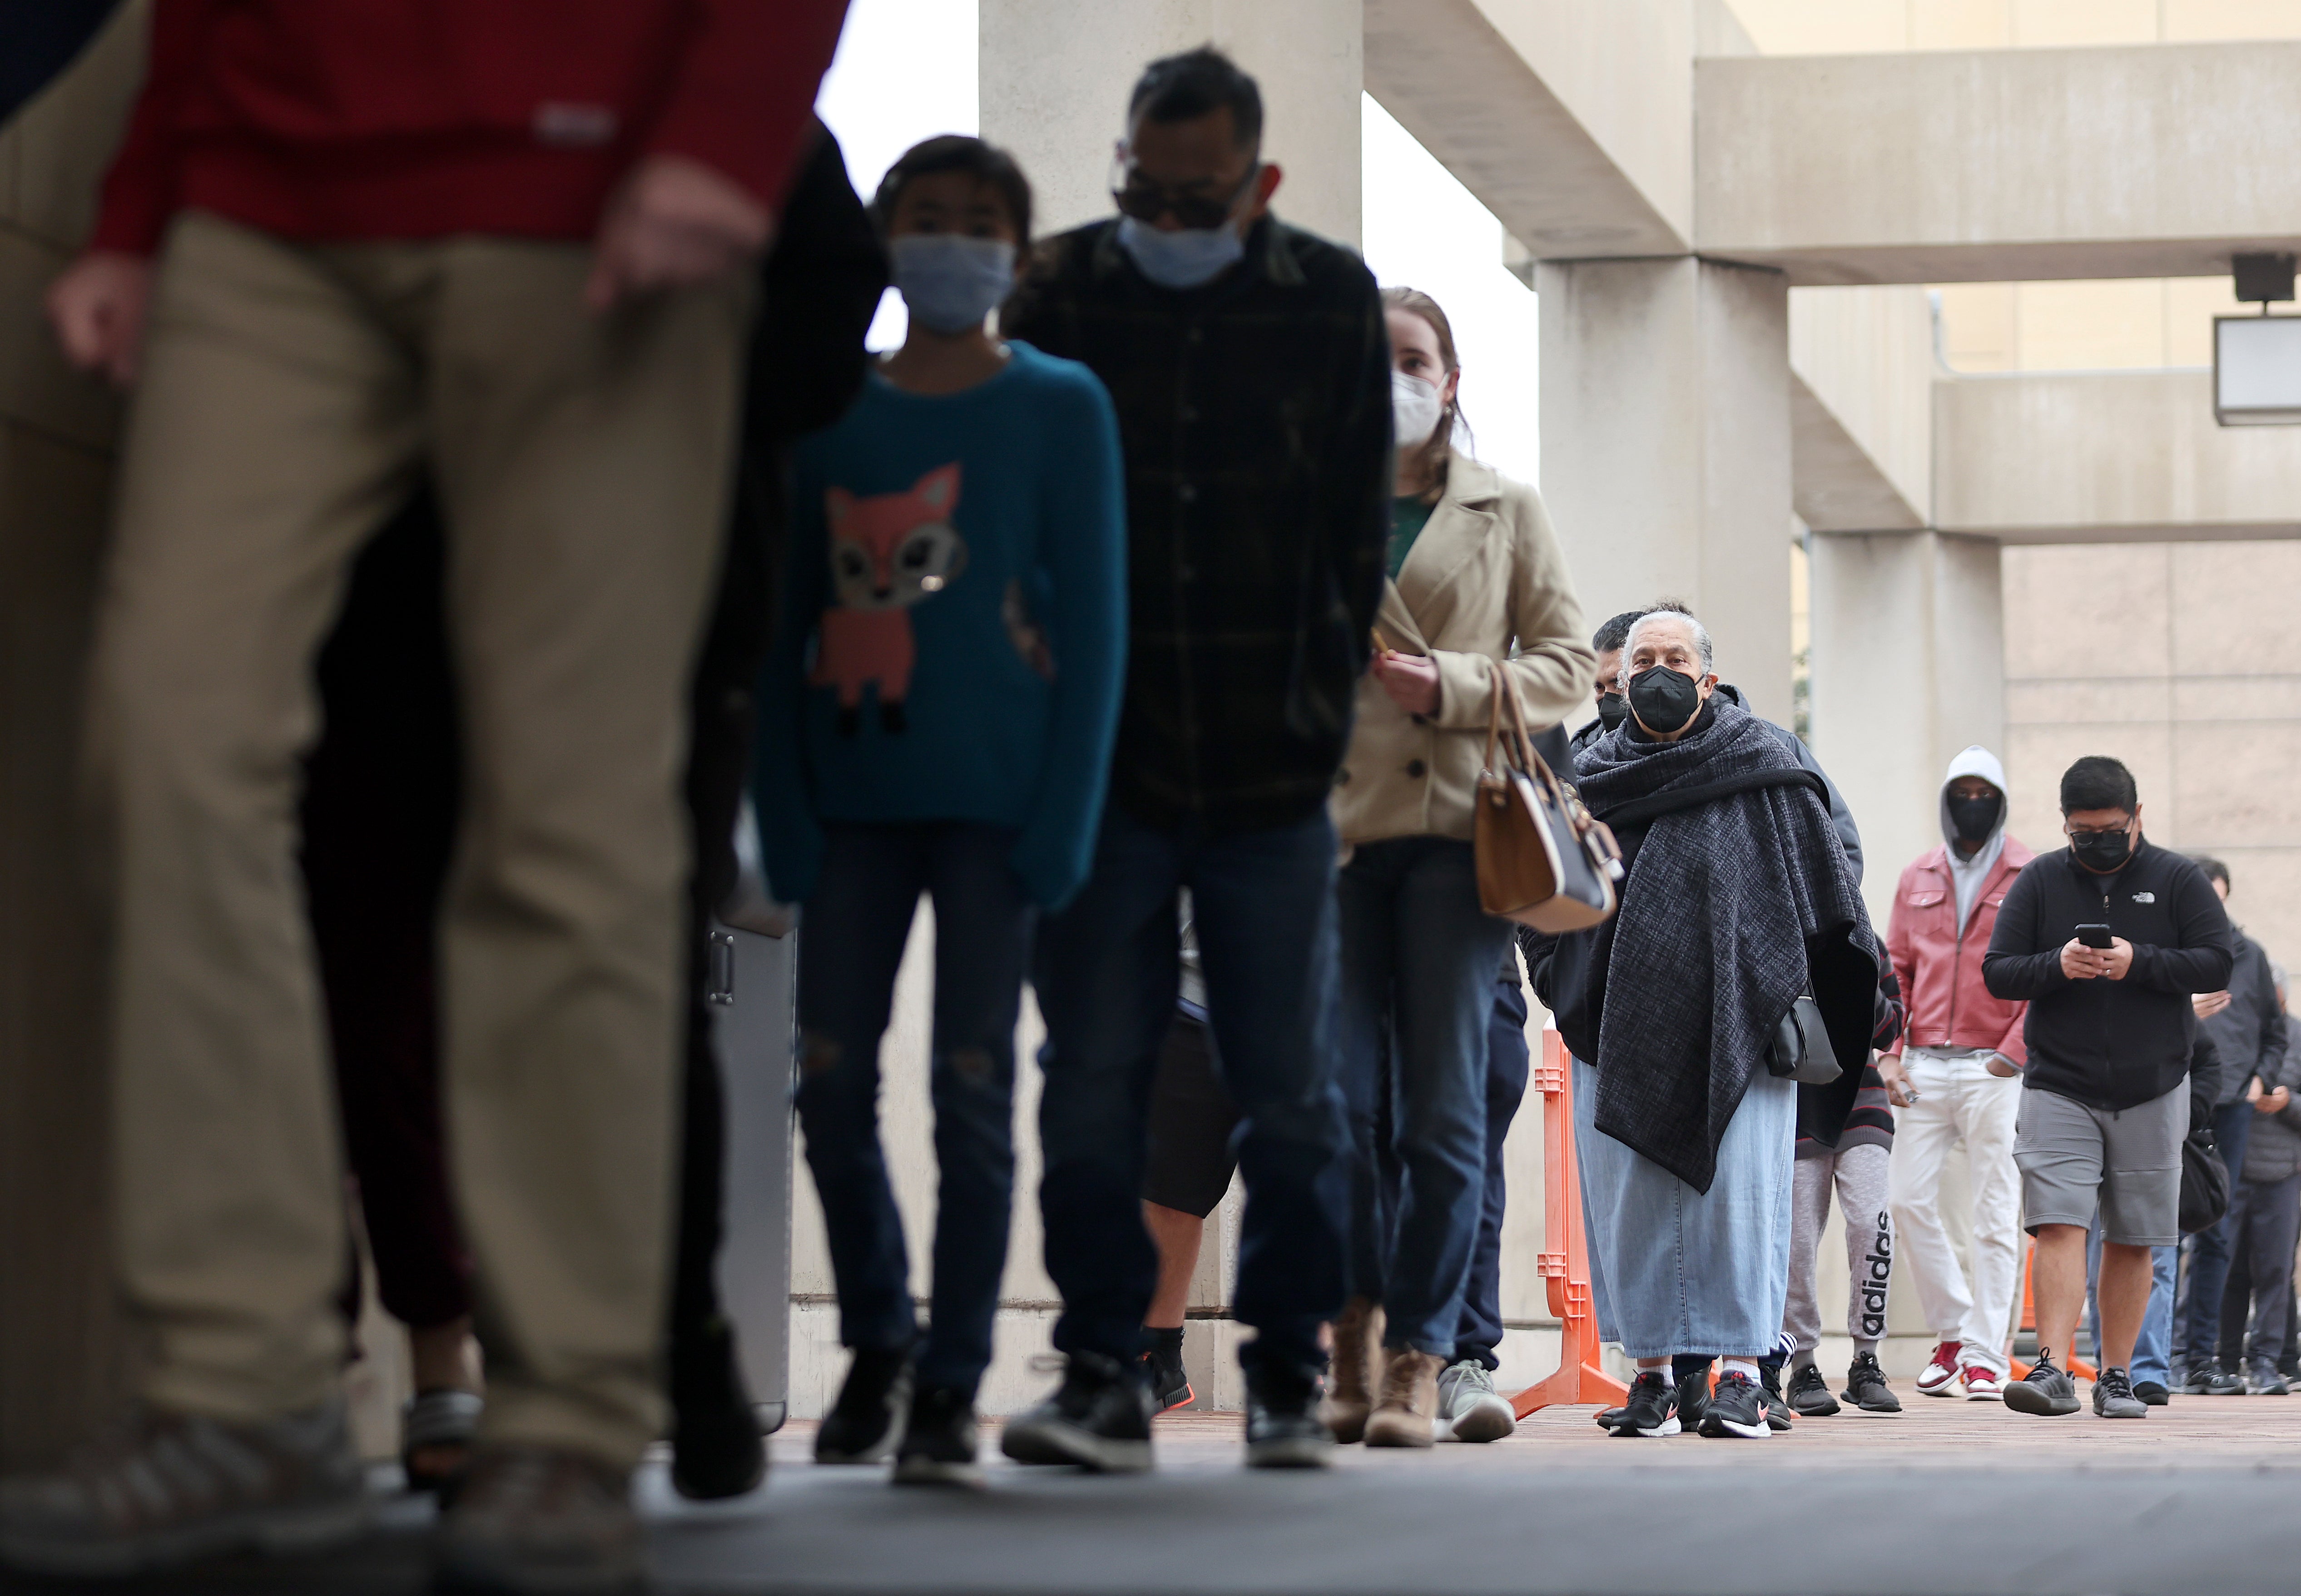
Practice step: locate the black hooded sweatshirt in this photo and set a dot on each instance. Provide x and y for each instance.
(2110, 1044)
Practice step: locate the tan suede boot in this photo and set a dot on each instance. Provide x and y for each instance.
(1408, 1401)
(1350, 1376)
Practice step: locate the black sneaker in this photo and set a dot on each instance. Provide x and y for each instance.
(2114, 1398)
(1737, 1409)
(2045, 1391)
(2215, 1381)
(1162, 1367)
(1099, 1418)
(717, 1449)
(1866, 1387)
(2190, 1382)
(1692, 1398)
(939, 1439)
(1769, 1397)
(1608, 1417)
(1283, 1428)
(2152, 1393)
(866, 1423)
(1810, 1395)
(2266, 1382)
(1652, 1409)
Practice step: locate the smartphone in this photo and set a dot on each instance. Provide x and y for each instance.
(2093, 936)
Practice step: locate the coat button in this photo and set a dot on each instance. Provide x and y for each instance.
(1416, 768)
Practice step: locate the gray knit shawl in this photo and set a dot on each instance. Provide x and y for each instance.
(1710, 943)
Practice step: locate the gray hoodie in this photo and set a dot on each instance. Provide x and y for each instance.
(1966, 875)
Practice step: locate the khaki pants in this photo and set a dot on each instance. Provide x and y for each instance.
(291, 396)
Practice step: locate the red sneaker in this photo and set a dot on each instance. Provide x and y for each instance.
(1982, 1383)
(1941, 1370)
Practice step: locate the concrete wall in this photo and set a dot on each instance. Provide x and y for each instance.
(2181, 660)
(59, 1341)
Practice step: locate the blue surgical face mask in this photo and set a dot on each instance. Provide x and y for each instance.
(950, 282)
(1187, 258)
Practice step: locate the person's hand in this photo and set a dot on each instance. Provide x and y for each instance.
(2081, 963)
(97, 306)
(2206, 1004)
(2118, 959)
(2001, 1066)
(2253, 1089)
(1896, 1079)
(671, 221)
(2273, 1102)
(1411, 681)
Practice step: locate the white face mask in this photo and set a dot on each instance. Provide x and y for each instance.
(1414, 409)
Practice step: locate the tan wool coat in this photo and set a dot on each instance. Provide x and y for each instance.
(1485, 575)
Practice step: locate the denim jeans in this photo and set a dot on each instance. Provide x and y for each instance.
(852, 940)
(1508, 1066)
(1264, 911)
(2209, 1248)
(2153, 1346)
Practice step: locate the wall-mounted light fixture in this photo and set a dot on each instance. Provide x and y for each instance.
(2258, 359)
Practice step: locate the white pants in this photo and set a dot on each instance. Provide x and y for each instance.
(1959, 1099)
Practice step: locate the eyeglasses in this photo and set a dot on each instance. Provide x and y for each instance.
(2076, 836)
(1145, 201)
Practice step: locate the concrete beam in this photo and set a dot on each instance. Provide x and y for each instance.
(1571, 122)
(1999, 165)
(1861, 376)
(2107, 456)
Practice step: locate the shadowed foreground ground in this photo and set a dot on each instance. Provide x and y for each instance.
(2199, 1499)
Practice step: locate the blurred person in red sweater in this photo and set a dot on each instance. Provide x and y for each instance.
(343, 247)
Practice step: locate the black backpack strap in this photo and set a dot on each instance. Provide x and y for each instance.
(1638, 811)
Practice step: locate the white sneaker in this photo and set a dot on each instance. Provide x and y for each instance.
(1982, 1384)
(1940, 1372)
(1469, 1409)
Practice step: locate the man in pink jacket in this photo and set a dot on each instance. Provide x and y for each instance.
(1955, 1077)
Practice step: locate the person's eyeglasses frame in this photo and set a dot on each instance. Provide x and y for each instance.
(1148, 202)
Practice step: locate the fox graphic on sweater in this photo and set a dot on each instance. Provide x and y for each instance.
(888, 551)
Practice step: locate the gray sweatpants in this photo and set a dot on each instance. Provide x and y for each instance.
(1859, 1174)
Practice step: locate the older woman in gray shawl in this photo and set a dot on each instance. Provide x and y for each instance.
(1738, 900)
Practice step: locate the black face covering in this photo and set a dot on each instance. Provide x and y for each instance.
(1612, 710)
(2104, 851)
(1664, 700)
(1974, 817)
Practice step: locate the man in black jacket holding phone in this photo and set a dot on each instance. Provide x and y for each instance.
(2107, 940)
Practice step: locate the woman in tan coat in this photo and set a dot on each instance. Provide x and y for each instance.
(1477, 589)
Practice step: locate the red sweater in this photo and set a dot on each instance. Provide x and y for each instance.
(339, 120)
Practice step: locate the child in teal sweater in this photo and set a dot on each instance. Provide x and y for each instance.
(937, 717)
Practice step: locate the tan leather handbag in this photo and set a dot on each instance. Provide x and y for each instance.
(1544, 859)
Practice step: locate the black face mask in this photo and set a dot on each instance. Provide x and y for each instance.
(2104, 851)
(1974, 817)
(1612, 710)
(1664, 700)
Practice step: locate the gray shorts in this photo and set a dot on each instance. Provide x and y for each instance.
(2129, 1162)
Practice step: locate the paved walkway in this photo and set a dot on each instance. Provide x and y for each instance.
(1951, 1497)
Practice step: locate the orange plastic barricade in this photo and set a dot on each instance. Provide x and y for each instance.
(1563, 1260)
(2075, 1366)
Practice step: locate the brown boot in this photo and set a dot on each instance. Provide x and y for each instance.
(1351, 1376)
(1409, 1402)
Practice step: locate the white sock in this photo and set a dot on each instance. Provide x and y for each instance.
(1659, 1365)
(1747, 1367)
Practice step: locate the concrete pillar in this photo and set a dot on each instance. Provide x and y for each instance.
(1055, 76)
(1909, 666)
(1666, 448)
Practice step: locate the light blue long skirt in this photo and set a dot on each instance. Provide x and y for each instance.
(1673, 1270)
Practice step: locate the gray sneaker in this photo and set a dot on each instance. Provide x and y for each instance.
(531, 1519)
(2265, 1381)
(1469, 1407)
(159, 1489)
(2114, 1398)
(2045, 1391)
